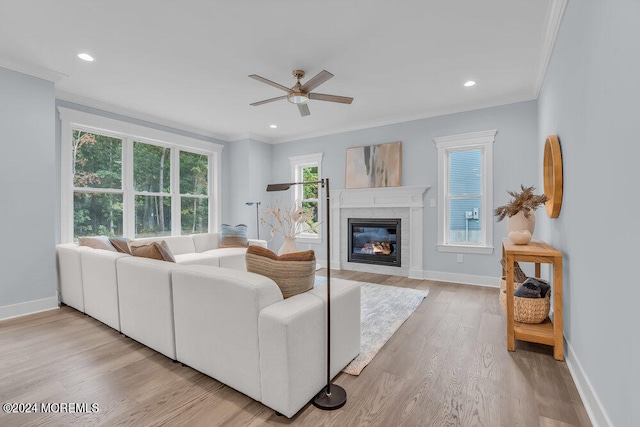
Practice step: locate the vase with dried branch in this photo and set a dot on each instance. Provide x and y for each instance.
(521, 221)
(289, 221)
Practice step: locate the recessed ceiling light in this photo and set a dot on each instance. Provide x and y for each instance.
(273, 126)
(470, 83)
(85, 57)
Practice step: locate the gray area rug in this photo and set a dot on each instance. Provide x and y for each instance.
(383, 310)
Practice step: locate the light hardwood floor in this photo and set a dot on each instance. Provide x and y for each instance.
(446, 366)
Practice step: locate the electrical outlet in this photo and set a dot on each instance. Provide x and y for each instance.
(460, 258)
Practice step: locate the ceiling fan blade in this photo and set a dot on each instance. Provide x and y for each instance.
(266, 101)
(316, 81)
(331, 98)
(304, 109)
(269, 82)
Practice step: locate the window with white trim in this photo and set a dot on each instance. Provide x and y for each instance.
(121, 179)
(465, 192)
(308, 168)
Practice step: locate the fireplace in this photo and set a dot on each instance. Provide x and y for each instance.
(374, 241)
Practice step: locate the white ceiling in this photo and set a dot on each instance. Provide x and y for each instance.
(185, 63)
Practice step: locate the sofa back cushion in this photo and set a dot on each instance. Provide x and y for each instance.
(294, 272)
(205, 241)
(180, 244)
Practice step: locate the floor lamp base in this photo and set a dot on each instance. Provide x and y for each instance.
(329, 402)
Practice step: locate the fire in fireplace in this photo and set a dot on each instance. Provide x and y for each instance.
(374, 241)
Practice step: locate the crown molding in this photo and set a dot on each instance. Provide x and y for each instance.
(395, 120)
(555, 13)
(31, 69)
(114, 109)
(250, 135)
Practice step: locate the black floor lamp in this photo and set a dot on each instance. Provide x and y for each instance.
(333, 396)
(257, 216)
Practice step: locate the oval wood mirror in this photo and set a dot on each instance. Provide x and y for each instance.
(553, 175)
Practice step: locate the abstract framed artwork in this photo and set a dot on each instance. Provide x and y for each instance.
(374, 166)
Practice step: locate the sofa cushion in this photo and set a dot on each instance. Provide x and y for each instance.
(205, 241)
(96, 242)
(198, 259)
(121, 244)
(180, 244)
(294, 273)
(233, 237)
(153, 250)
(233, 258)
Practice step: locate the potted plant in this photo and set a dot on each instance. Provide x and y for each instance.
(521, 221)
(289, 222)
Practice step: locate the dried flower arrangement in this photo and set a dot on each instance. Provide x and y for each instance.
(524, 201)
(289, 221)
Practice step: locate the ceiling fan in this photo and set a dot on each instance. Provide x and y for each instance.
(300, 94)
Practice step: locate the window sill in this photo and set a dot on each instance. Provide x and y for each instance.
(316, 240)
(466, 249)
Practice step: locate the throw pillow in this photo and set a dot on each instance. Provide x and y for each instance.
(294, 273)
(121, 244)
(153, 250)
(96, 242)
(233, 237)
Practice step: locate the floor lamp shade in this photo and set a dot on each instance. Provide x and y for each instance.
(332, 396)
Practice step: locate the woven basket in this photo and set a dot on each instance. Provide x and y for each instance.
(293, 277)
(527, 310)
(503, 284)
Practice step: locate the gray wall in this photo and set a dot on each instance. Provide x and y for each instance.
(249, 171)
(515, 162)
(27, 190)
(590, 100)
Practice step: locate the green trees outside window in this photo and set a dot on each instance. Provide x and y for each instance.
(97, 179)
(194, 188)
(310, 196)
(152, 178)
(101, 195)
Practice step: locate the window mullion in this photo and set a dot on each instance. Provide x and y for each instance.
(176, 200)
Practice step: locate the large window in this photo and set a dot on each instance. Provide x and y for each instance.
(117, 184)
(304, 169)
(465, 183)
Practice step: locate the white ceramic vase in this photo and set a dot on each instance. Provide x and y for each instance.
(288, 246)
(520, 229)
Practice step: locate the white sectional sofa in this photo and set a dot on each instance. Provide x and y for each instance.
(207, 312)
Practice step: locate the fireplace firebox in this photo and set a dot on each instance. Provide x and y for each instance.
(374, 241)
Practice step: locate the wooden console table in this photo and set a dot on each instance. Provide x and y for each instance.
(547, 332)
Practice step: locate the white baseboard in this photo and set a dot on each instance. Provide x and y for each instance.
(467, 279)
(29, 307)
(592, 404)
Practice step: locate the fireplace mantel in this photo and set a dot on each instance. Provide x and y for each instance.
(409, 199)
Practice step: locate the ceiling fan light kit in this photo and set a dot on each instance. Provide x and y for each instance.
(300, 94)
